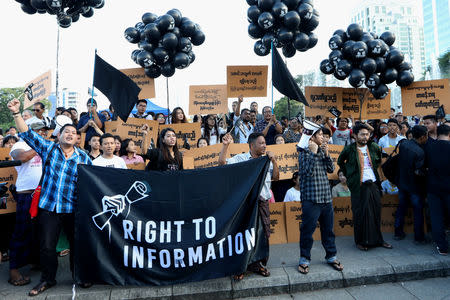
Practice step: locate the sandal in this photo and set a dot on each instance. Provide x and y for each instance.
(238, 277)
(41, 287)
(304, 269)
(19, 281)
(386, 245)
(64, 253)
(361, 247)
(336, 265)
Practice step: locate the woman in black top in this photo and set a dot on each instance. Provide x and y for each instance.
(166, 156)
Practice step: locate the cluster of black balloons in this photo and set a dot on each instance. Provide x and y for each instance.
(286, 24)
(66, 11)
(367, 59)
(165, 42)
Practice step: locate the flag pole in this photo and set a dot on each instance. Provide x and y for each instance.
(167, 91)
(271, 50)
(92, 90)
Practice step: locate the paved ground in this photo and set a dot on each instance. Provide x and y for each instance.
(363, 270)
(433, 288)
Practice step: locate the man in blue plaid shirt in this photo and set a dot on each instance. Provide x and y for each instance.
(314, 164)
(58, 196)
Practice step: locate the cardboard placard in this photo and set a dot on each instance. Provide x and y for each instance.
(321, 99)
(286, 156)
(4, 153)
(41, 89)
(138, 166)
(248, 81)
(8, 175)
(208, 99)
(208, 157)
(293, 211)
(425, 97)
(146, 83)
(192, 131)
(132, 130)
(389, 205)
(343, 217)
(334, 151)
(277, 224)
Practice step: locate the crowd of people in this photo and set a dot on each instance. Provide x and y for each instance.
(49, 161)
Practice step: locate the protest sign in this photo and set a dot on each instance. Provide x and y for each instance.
(389, 205)
(4, 153)
(334, 151)
(208, 157)
(146, 84)
(322, 99)
(425, 97)
(40, 89)
(8, 175)
(168, 228)
(190, 131)
(208, 99)
(343, 216)
(248, 81)
(138, 166)
(376, 108)
(277, 224)
(293, 212)
(286, 156)
(132, 130)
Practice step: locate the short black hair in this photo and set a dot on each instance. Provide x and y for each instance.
(419, 131)
(326, 131)
(111, 107)
(360, 126)
(317, 131)
(295, 175)
(95, 134)
(283, 118)
(253, 111)
(243, 110)
(78, 132)
(443, 130)
(430, 117)
(9, 137)
(60, 108)
(93, 101)
(12, 127)
(72, 108)
(392, 109)
(105, 136)
(202, 138)
(267, 107)
(141, 101)
(41, 105)
(253, 137)
(396, 122)
(254, 102)
(339, 119)
(406, 123)
(67, 125)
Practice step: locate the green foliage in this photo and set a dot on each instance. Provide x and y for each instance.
(444, 64)
(6, 95)
(281, 108)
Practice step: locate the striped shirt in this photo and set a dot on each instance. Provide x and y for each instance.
(60, 174)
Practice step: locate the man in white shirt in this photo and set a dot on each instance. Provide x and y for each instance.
(392, 138)
(28, 176)
(108, 159)
(141, 107)
(39, 110)
(257, 145)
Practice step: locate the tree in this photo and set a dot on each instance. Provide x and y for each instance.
(444, 64)
(6, 95)
(281, 108)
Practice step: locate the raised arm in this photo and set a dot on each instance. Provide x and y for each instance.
(14, 108)
(226, 141)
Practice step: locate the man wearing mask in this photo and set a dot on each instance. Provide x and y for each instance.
(359, 162)
(411, 183)
(56, 204)
(269, 127)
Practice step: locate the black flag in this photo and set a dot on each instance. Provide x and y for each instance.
(121, 91)
(283, 81)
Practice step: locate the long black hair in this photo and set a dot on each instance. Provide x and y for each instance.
(123, 147)
(165, 150)
(207, 130)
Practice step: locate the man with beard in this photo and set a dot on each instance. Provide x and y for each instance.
(242, 126)
(359, 162)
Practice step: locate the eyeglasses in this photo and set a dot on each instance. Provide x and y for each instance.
(36, 110)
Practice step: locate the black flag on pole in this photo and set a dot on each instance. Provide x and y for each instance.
(283, 81)
(121, 91)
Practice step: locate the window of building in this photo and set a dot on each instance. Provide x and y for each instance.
(377, 9)
(383, 9)
(367, 11)
(409, 10)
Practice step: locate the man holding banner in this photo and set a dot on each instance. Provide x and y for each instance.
(257, 145)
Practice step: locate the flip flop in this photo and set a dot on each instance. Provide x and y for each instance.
(19, 281)
(336, 265)
(304, 269)
(41, 287)
(238, 277)
(361, 247)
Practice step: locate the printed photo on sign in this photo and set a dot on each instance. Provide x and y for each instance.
(38, 89)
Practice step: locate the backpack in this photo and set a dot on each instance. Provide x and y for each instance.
(391, 166)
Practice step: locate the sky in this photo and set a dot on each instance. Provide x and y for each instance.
(29, 44)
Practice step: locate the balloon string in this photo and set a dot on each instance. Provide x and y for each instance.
(271, 49)
(92, 91)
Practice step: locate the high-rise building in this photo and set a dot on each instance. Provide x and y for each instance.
(404, 19)
(68, 98)
(436, 26)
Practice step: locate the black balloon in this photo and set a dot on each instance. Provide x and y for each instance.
(266, 4)
(375, 36)
(148, 18)
(165, 23)
(285, 36)
(169, 41)
(405, 78)
(153, 71)
(404, 66)
(292, 4)
(266, 20)
(355, 31)
(366, 37)
(187, 28)
(305, 11)
(145, 59)
(252, 2)
(394, 58)
(326, 67)
(335, 43)
(253, 13)
(301, 41)
(357, 78)
(289, 50)
(261, 49)
(338, 76)
(191, 57)
(311, 24)
(342, 34)
(27, 8)
(373, 81)
(380, 92)
(389, 76)
(134, 55)
(176, 15)
(347, 49)
(359, 50)
(88, 13)
(132, 35)
(292, 20)
(313, 39)
(144, 45)
(279, 10)
(388, 37)
(198, 38)
(64, 21)
(54, 5)
(254, 31)
(38, 4)
(184, 45)
(160, 55)
(368, 66)
(335, 57)
(152, 32)
(268, 39)
(181, 60)
(343, 68)
(381, 64)
(375, 48)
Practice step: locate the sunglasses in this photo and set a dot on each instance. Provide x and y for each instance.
(36, 110)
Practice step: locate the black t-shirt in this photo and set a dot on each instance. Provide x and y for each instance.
(158, 163)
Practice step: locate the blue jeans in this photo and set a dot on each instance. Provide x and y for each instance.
(417, 203)
(311, 213)
(439, 204)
